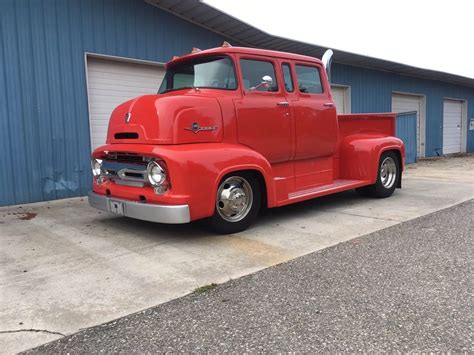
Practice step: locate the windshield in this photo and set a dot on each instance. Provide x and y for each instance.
(206, 72)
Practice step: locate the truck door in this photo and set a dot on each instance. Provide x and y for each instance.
(316, 128)
(263, 113)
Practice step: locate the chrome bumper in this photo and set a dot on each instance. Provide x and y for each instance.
(173, 214)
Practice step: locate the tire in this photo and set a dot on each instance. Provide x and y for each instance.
(238, 202)
(388, 176)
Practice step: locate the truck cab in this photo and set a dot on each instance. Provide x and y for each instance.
(233, 130)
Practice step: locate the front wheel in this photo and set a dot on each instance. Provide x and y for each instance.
(387, 177)
(238, 201)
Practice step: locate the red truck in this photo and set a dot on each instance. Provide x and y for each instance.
(233, 130)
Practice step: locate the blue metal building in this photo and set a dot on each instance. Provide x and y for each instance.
(47, 46)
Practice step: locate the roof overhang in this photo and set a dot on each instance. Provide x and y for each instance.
(206, 16)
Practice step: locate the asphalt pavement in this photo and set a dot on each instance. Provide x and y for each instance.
(408, 287)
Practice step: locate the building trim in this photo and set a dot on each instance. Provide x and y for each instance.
(123, 59)
(347, 96)
(422, 118)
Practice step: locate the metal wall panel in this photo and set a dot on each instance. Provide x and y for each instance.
(372, 90)
(406, 131)
(44, 125)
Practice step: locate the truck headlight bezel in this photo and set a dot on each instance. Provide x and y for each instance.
(96, 166)
(156, 173)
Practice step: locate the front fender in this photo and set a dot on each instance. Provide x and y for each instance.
(200, 168)
(360, 155)
(195, 170)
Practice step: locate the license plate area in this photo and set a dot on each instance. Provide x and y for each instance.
(116, 207)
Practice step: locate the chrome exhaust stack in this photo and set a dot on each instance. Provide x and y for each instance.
(327, 61)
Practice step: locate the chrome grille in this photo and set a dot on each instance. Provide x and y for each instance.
(125, 169)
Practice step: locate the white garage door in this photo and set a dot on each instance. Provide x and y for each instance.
(452, 118)
(408, 103)
(340, 96)
(111, 82)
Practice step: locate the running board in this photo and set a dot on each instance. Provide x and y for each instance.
(337, 186)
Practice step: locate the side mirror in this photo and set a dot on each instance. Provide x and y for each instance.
(267, 80)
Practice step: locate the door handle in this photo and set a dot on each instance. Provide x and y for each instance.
(328, 104)
(283, 103)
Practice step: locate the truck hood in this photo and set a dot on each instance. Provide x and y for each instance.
(166, 119)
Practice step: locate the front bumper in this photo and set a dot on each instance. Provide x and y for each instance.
(172, 214)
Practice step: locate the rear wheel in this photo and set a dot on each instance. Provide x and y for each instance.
(238, 201)
(387, 177)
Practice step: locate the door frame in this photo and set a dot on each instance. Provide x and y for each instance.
(464, 123)
(347, 97)
(422, 116)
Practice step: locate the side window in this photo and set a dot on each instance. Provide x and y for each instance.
(287, 77)
(258, 75)
(309, 79)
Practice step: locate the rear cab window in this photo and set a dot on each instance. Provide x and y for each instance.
(309, 79)
(258, 75)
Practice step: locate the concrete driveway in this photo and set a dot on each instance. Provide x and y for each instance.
(65, 266)
(403, 289)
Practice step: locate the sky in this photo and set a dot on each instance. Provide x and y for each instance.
(434, 34)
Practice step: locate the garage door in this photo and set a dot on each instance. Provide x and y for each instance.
(452, 118)
(410, 103)
(111, 82)
(340, 96)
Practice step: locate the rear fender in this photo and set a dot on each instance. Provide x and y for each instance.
(360, 155)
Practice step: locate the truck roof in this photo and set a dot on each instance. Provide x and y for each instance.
(245, 50)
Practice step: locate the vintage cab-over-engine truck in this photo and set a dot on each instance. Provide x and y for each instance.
(233, 130)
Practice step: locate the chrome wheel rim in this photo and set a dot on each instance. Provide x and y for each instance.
(234, 199)
(388, 172)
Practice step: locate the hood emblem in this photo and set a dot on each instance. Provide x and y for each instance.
(196, 128)
(128, 117)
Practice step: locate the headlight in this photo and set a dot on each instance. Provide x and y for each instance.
(156, 174)
(96, 165)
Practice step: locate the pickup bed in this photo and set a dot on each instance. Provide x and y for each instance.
(233, 130)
